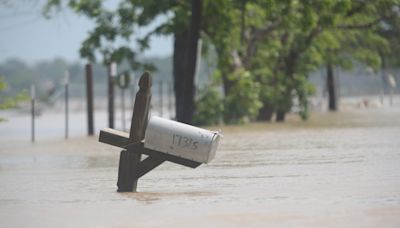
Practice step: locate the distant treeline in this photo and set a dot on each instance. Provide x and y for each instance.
(49, 75)
(46, 75)
(19, 75)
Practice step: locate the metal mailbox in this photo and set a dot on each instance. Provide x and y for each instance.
(181, 140)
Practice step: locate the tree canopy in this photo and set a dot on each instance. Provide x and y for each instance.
(265, 48)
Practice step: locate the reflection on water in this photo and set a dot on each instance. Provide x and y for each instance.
(342, 171)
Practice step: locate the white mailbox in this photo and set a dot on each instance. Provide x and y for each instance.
(181, 140)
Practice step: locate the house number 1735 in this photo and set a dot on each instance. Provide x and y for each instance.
(184, 142)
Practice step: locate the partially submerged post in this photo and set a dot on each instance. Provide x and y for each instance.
(161, 98)
(130, 157)
(112, 73)
(123, 81)
(178, 143)
(170, 98)
(66, 84)
(132, 90)
(89, 98)
(33, 112)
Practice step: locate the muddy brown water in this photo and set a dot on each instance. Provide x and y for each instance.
(335, 170)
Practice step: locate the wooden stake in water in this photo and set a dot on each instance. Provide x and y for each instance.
(112, 73)
(123, 109)
(392, 87)
(66, 84)
(89, 98)
(123, 81)
(170, 100)
(133, 90)
(161, 98)
(33, 112)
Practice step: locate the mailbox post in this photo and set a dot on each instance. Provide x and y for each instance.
(131, 168)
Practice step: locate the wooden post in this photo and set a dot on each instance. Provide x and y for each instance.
(133, 90)
(170, 101)
(66, 103)
(161, 99)
(131, 168)
(130, 158)
(123, 109)
(89, 98)
(111, 72)
(332, 88)
(33, 113)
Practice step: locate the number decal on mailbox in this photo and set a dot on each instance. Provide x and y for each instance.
(184, 142)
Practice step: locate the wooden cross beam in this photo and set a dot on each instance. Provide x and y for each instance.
(131, 168)
(120, 139)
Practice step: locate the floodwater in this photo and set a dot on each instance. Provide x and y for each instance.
(336, 170)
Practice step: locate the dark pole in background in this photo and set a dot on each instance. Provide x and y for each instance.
(170, 98)
(112, 72)
(66, 103)
(161, 98)
(123, 108)
(133, 90)
(89, 97)
(33, 113)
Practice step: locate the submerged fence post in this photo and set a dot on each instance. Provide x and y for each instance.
(132, 88)
(123, 82)
(66, 81)
(161, 98)
(170, 100)
(112, 73)
(33, 113)
(89, 98)
(123, 109)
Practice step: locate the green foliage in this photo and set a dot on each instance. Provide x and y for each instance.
(265, 48)
(7, 102)
(209, 107)
(110, 26)
(303, 90)
(242, 105)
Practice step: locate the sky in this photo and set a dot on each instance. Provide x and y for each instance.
(27, 35)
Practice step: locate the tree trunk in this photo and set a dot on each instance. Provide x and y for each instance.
(332, 90)
(290, 62)
(190, 62)
(180, 38)
(265, 113)
(280, 116)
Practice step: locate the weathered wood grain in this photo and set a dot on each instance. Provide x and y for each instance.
(120, 139)
(127, 180)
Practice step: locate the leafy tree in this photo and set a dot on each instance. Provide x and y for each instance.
(7, 102)
(119, 24)
(265, 48)
(241, 91)
(308, 35)
(209, 107)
